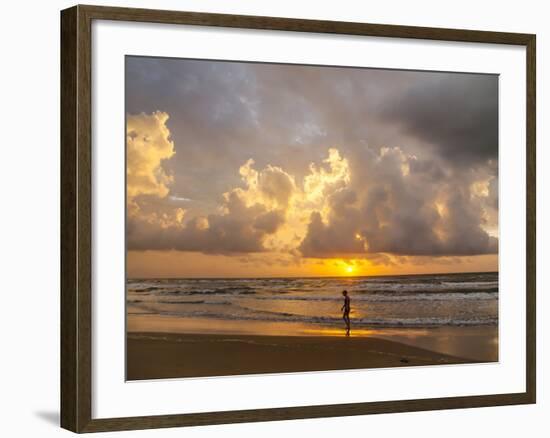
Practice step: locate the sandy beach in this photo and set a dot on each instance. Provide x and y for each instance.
(164, 355)
(219, 327)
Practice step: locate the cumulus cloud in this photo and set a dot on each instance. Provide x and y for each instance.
(311, 162)
(236, 231)
(330, 240)
(272, 187)
(394, 204)
(399, 206)
(148, 144)
(246, 216)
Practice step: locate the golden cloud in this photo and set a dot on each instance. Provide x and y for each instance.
(148, 144)
(394, 204)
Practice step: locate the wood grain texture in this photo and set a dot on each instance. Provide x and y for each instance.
(531, 212)
(69, 325)
(339, 410)
(76, 222)
(76, 186)
(300, 25)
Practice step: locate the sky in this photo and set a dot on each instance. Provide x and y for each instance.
(270, 170)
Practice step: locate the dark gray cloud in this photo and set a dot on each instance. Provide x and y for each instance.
(456, 114)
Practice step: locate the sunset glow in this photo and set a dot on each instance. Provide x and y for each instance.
(307, 171)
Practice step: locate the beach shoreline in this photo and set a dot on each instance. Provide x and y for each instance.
(216, 327)
(477, 343)
(157, 355)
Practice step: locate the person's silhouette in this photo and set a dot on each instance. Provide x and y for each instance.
(346, 308)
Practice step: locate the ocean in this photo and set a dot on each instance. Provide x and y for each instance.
(413, 301)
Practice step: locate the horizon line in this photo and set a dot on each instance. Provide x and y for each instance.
(311, 276)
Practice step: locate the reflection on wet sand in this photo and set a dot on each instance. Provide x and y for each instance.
(474, 343)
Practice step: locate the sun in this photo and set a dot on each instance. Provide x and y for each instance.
(349, 269)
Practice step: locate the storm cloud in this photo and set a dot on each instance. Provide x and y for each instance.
(402, 206)
(314, 162)
(457, 115)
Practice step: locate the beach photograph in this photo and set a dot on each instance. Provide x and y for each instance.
(285, 218)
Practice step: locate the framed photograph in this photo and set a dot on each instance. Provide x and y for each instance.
(270, 218)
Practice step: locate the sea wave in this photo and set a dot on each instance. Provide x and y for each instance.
(206, 292)
(424, 322)
(406, 301)
(282, 289)
(449, 296)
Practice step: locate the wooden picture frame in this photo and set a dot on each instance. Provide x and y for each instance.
(76, 218)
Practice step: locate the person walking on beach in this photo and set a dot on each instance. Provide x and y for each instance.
(346, 308)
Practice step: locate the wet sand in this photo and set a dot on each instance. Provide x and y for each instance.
(477, 343)
(156, 355)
